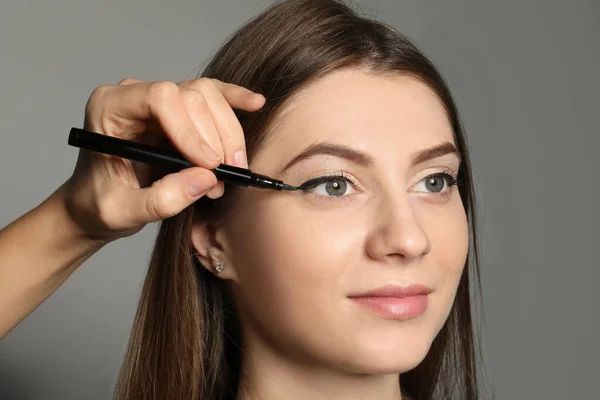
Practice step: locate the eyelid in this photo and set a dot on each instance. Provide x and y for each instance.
(438, 170)
(341, 174)
(450, 181)
(311, 184)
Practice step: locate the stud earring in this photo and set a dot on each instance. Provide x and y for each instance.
(219, 266)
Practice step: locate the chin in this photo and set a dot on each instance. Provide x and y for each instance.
(389, 353)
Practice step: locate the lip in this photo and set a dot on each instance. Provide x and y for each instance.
(396, 291)
(395, 302)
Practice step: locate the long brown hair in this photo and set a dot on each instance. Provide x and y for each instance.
(185, 338)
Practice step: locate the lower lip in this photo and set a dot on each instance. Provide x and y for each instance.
(399, 308)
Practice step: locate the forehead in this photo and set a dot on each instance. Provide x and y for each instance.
(379, 114)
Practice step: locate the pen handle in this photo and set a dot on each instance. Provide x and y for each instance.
(151, 155)
(126, 149)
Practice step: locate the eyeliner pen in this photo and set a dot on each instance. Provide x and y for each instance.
(151, 155)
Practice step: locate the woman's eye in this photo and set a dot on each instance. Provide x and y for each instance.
(436, 183)
(333, 187)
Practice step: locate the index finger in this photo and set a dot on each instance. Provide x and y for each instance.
(161, 101)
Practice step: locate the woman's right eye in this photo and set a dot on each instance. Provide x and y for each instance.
(333, 187)
(336, 185)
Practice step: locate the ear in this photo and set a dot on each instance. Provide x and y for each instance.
(210, 243)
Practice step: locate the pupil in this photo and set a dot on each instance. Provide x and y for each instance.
(434, 184)
(336, 188)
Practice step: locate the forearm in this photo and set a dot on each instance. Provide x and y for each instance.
(38, 252)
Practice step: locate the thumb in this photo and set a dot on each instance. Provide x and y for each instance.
(169, 195)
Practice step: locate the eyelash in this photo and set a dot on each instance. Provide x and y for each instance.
(331, 177)
(450, 179)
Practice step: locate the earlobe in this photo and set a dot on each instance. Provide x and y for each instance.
(211, 249)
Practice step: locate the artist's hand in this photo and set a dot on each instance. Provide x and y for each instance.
(110, 197)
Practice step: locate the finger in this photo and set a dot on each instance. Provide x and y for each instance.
(230, 132)
(200, 113)
(237, 96)
(168, 196)
(199, 109)
(128, 81)
(240, 97)
(128, 105)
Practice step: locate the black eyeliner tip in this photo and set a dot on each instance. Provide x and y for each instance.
(290, 187)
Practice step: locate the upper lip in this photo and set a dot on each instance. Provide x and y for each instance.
(396, 291)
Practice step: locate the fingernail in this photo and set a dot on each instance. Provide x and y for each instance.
(240, 160)
(209, 152)
(198, 184)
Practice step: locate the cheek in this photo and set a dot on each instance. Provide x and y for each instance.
(452, 240)
(290, 261)
(449, 237)
(447, 229)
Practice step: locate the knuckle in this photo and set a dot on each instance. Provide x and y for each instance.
(99, 93)
(97, 104)
(205, 84)
(185, 84)
(128, 81)
(162, 91)
(159, 205)
(193, 98)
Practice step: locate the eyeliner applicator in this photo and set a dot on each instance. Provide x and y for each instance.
(176, 162)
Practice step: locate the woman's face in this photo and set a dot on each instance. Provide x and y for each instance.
(298, 259)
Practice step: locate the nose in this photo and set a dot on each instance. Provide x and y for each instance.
(397, 233)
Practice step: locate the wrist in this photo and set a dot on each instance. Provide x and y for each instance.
(70, 230)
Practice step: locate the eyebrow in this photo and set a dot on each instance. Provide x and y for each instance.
(364, 160)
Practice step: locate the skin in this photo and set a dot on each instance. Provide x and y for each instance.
(293, 258)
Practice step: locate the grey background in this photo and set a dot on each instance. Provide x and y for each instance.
(524, 74)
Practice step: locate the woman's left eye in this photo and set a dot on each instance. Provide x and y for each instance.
(436, 183)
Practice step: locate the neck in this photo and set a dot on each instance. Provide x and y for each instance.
(270, 375)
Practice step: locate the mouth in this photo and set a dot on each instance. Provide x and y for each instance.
(395, 302)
